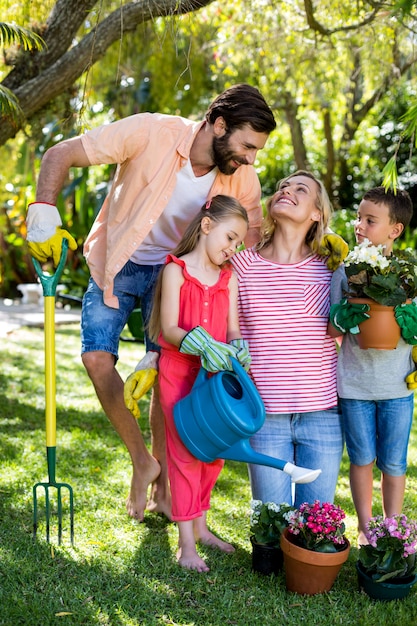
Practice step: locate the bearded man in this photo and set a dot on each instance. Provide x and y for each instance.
(167, 167)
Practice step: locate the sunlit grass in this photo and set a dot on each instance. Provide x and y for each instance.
(120, 572)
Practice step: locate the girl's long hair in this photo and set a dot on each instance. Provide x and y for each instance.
(218, 209)
(317, 229)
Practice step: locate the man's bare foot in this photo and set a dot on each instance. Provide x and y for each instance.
(159, 506)
(160, 497)
(136, 501)
(210, 540)
(190, 560)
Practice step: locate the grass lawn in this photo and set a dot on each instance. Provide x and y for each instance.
(120, 572)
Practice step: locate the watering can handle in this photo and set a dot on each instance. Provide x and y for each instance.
(237, 368)
(49, 282)
(244, 378)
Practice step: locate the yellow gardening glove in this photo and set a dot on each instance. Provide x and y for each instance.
(136, 385)
(44, 232)
(52, 247)
(335, 248)
(411, 379)
(142, 379)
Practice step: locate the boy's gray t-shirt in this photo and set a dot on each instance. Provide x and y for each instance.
(369, 374)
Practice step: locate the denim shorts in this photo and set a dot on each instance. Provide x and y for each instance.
(102, 325)
(313, 440)
(378, 430)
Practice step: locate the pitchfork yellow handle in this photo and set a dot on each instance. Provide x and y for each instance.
(49, 283)
(50, 386)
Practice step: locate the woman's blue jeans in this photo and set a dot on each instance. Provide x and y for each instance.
(313, 440)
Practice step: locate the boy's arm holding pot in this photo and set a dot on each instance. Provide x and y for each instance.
(345, 316)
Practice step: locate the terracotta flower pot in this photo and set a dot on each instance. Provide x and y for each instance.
(392, 589)
(308, 572)
(266, 559)
(381, 330)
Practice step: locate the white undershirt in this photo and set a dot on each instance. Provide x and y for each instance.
(189, 195)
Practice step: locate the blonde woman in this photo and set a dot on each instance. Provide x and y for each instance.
(284, 302)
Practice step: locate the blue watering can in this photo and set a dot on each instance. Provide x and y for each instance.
(219, 415)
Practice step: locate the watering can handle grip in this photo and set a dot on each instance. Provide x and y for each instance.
(49, 282)
(244, 378)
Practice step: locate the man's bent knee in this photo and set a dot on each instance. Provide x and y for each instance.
(97, 363)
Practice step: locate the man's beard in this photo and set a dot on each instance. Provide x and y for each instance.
(222, 155)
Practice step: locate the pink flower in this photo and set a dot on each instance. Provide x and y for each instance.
(318, 526)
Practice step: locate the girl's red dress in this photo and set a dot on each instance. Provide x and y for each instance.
(191, 480)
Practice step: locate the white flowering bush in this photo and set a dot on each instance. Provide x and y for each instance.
(389, 280)
(268, 520)
(365, 252)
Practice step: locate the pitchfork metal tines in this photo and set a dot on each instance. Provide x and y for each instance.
(49, 284)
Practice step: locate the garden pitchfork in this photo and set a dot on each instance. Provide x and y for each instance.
(49, 284)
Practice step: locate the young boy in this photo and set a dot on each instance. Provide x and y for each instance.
(377, 406)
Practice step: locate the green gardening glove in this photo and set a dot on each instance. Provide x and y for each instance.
(406, 316)
(346, 316)
(335, 248)
(214, 355)
(242, 355)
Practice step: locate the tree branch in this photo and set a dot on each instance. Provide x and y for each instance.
(319, 28)
(40, 89)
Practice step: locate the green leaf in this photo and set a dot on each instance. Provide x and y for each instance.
(12, 33)
(390, 174)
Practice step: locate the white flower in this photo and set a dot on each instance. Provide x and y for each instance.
(369, 254)
(271, 506)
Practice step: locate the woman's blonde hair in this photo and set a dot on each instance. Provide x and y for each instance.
(218, 209)
(317, 229)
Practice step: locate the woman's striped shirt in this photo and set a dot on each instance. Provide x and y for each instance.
(283, 312)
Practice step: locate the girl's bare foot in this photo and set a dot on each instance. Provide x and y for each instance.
(136, 501)
(190, 560)
(208, 539)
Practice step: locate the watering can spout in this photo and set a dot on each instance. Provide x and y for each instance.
(301, 474)
(242, 451)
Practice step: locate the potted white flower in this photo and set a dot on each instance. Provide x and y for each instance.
(384, 283)
(267, 522)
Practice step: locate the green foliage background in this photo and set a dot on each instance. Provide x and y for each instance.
(338, 95)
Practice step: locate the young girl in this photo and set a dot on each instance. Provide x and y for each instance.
(194, 313)
(284, 302)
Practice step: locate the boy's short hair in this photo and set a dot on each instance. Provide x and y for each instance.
(400, 206)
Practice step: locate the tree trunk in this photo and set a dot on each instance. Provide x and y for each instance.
(300, 153)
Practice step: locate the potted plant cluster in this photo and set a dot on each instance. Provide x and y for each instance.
(382, 282)
(267, 522)
(314, 547)
(387, 565)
